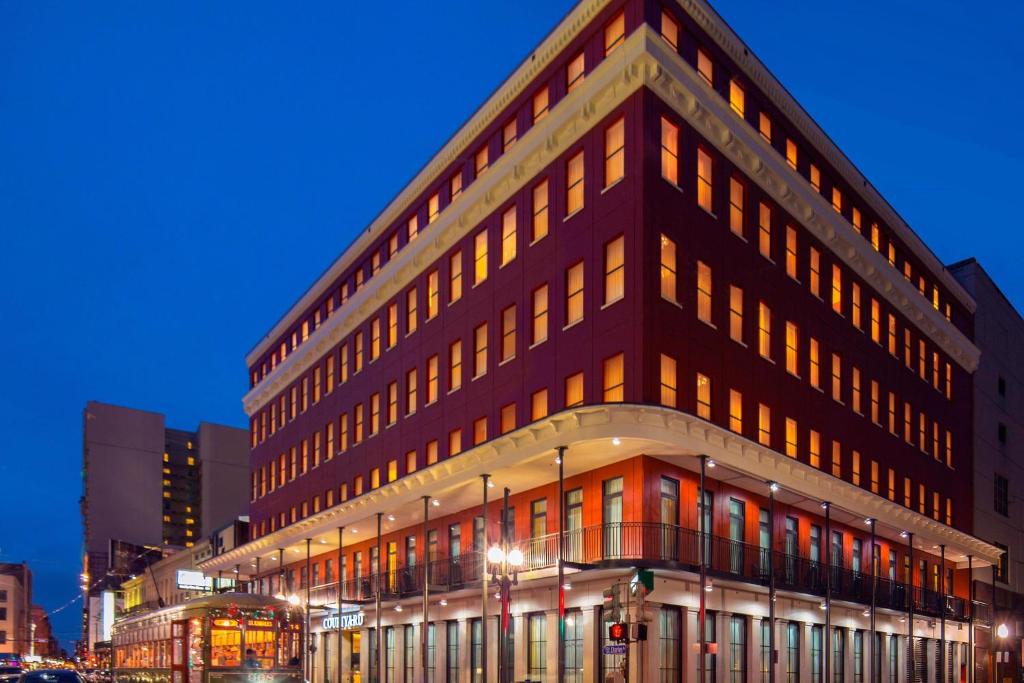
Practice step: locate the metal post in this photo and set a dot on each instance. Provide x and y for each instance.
(910, 607)
(874, 600)
(992, 629)
(771, 581)
(280, 572)
(259, 580)
(827, 645)
(341, 578)
(970, 619)
(561, 561)
(307, 650)
(942, 614)
(702, 561)
(426, 588)
(378, 655)
(238, 578)
(484, 589)
(504, 674)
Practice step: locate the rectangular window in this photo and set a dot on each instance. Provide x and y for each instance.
(736, 313)
(791, 154)
(669, 151)
(837, 289)
(668, 381)
(837, 378)
(791, 251)
(704, 171)
(670, 30)
(432, 379)
(613, 379)
(539, 404)
(374, 414)
(737, 98)
(508, 235)
(391, 415)
(855, 384)
(574, 294)
(704, 292)
(508, 334)
(764, 425)
(480, 162)
(815, 364)
(815, 281)
(703, 396)
(764, 127)
(735, 411)
(433, 208)
(433, 295)
(791, 437)
(539, 225)
(614, 270)
(410, 392)
(855, 305)
(764, 330)
(705, 67)
(455, 277)
(541, 104)
(736, 204)
(536, 647)
(455, 365)
(837, 459)
(539, 329)
(614, 153)
(508, 135)
(875, 322)
(574, 390)
(574, 184)
(413, 228)
(374, 339)
(764, 230)
(792, 349)
(814, 449)
(668, 269)
(480, 257)
(480, 351)
(392, 324)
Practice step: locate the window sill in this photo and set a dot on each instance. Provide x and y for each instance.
(505, 362)
(453, 390)
(739, 236)
(740, 342)
(674, 186)
(612, 302)
(536, 344)
(766, 358)
(572, 214)
(672, 301)
(572, 324)
(537, 240)
(476, 377)
(769, 259)
(708, 323)
(612, 186)
(793, 374)
(708, 212)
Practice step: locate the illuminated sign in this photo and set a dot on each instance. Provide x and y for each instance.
(260, 623)
(190, 580)
(107, 615)
(343, 621)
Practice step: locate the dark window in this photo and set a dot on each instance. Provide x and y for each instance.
(1002, 434)
(1004, 563)
(1001, 496)
(1002, 386)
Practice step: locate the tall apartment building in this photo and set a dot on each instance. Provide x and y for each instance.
(15, 610)
(998, 450)
(147, 487)
(641, 249)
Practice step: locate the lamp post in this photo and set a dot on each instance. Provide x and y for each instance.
(483, 582)
(772, 488)
(504, 562)
(874, 605)
(702, 561)
(341, 578)
(560, 658)
(910, 606)
(970, 619)
(426, 587)
(827, 645)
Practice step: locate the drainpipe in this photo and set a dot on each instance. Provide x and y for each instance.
(772, 486)
(827, 645)
(703, 568)
(910, 608)
(561, 568)
(874, 599)
(483, 592)
(341, 537)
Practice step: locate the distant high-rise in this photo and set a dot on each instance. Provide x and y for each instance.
(146, 487)
(15, 609)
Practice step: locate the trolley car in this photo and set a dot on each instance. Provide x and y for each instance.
(225, 638)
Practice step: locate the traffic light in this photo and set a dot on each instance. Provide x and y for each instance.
(617, 633)
(611, 606)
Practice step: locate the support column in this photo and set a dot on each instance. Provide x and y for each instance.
(484, 589)
(827, 644)
(970, 619)
(942, 616)
(341, 584)
(590, 647)
(701, 532)
(910, 608)
(560, 655)
(873, 675)
(772, 488)
(722, 621)
(691, 638)
(426, 589)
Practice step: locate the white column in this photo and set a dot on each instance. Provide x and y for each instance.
(440, 650)
(691, 645)
(805, 652)
(364, 654)
(590, 647)
(653, 644)
(346, 656)
(465, 650)
(754, 643)
(848, 659)
(519, 647)
(724, 658)
(399, 651)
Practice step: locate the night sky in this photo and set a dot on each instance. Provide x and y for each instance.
(174, 175)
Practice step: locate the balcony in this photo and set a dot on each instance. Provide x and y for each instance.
(627, 544)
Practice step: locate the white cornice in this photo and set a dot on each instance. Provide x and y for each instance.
(652, 430)
(644, 59)
(549, 49)
(712, 23)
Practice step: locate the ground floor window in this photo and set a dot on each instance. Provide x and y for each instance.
(670, 644)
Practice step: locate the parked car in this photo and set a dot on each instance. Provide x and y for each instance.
(50, 676)
(10, 674)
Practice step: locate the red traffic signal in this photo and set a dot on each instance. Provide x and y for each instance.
(617, 633)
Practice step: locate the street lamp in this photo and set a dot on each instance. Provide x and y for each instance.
(504, 562)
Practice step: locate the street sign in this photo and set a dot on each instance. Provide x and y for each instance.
(614, 649)
(642, 578)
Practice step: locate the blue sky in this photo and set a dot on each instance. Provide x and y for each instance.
(174, 175)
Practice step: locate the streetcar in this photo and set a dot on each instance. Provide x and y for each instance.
(224, 638)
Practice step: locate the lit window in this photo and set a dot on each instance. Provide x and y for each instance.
(837, 200)
(541, 102)
(539, 404)
(455, 187)
(391, 416)
(669, 151)
(455, 365)
(764, 425)
(705, 68)
(392, 324)
(736, 193)
(410, 462)
(480, 257)
(455, 277)
(875, 322)
(374, 339)
(574, 184)
(855, 389)
(703, 396)
(540, 211)
(507, 420)
(574, 390)
(359, 356)
(815, 364)
(764, 127)
(614, 33)
(614, 379)
(704, 170)
(735, 411)
(410, 392)
(668, 381)
(614, 153)
(540, 315)
(892, 335)
(375, 478)
(855, 305)
(837, 378)
(815, 282)
(792, 349)
(837, 460)
(392, 245)
(814, 449)
(764, 330)
(479, 430)
(704, 292)
(374, 414)
(764, 230)
(574, 73)
(392, 470)
(791, 251)
(508, 236)
(670, 30)
(411, 317)
(876, 238)
(413, 228)
(668, 268)
(508, 334)
(480, 161)
(815, 175)
(791, 154)
(433, 294)
(574, 294)
(433, 208)
(431, 454)
(837, 289)
(508, 135)
(480, 351)
(432, 375)
(736, 313)
(737, 98)
(614, 270)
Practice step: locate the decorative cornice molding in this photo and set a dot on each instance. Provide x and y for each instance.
(666, 433)
(644, 59)
(716, 27)
(545, 53)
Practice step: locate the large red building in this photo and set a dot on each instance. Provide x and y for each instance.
(643, 250)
